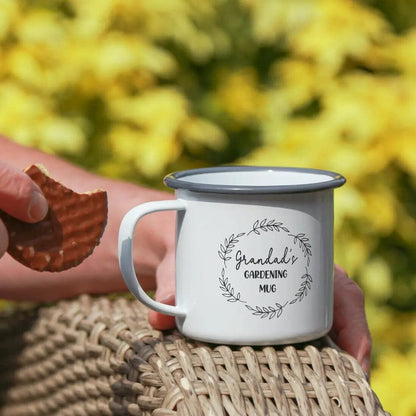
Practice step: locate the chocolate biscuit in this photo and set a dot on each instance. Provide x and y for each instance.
(67, 235)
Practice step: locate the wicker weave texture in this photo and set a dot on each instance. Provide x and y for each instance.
(95, 356)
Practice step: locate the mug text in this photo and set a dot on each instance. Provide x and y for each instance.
(270, 259)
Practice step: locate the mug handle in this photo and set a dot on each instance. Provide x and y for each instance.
(125, 251)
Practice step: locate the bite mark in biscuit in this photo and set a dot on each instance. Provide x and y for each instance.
(67, 235)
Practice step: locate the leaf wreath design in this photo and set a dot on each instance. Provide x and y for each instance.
(304, 288)
(228, 290)
(304, 245)
(227, 247)
(267, 311)
(259, 226)
(265, 226)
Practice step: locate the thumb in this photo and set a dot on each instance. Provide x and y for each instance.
(20, 197)
(165, 291)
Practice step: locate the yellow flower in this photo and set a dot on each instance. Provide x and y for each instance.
(350, 250)
(155, 154)
(380, 209)
(349, 203)
(148, 153)
(23, 66)
(9, 13)
(161, 110)
(123, 142)
(191, 24)
(240, 96)
(198, 134)
(404, 149)
(92, 18)
(60, 135)
(337, 30)
(272, 19)
(20, 113)
(400, 50)
(377, 280)
(359, 107)
(299, 81)
(117, 54)
(41, 27)
(394, 382)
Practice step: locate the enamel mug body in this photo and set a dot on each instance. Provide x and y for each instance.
(254, 253)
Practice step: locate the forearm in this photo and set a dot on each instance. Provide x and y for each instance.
(22, 157)
(99, 273)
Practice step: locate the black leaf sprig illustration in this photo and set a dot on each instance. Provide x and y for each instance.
(267, 311)
(228, 290)
(265, 226)
(234, 296)
(226, 248)
(304, 245)
(304, 288)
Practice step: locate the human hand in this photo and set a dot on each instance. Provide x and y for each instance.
(100, 272)
(350, 329)
(21, 198)
(153, 257)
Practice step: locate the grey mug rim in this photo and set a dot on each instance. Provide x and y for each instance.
(175, 180)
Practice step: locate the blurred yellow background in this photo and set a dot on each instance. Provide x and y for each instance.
(135, 89)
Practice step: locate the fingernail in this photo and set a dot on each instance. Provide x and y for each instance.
(38, 207)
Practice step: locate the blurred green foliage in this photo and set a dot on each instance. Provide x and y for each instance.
(135, 89)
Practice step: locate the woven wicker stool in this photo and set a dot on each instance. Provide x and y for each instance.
(96, 356)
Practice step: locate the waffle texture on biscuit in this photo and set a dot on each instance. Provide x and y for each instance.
(67, 235)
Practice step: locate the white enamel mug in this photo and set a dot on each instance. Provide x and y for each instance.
(254, 253)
